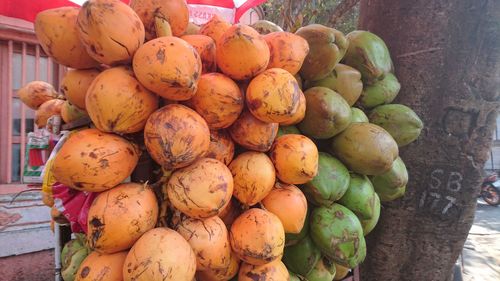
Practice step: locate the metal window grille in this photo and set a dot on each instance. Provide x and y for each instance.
(21, 60)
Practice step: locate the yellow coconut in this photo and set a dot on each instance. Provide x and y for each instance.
(175, 12)
(224, 274)
(273, 96)
(218, 100)
(56, 30)
(273, 271)
(35, 93)
(295, 158)
(94, 161)
(117, 103)
(254, 177)
(119, 216)
(47, 110)
(205, 46)
(202, 189)
(173, 77)
(257, 237)
(288, 51)
(75, 84)
(98, 266)
(289, 204)
(160, 254)
(215, 27)
(175, 136)
(252, 133)
(110, 31)
(241, 52)
(221, 146)
(209, 240)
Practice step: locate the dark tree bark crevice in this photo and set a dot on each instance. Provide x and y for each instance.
(447, 58)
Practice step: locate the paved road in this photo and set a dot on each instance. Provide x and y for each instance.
(481, 253)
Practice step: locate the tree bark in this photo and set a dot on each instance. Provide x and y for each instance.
(447, 57)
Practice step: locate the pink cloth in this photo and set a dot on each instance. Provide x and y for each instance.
(74, 205)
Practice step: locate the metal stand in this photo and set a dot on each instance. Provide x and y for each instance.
(62, 235)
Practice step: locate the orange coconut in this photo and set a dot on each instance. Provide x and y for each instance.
(295, 158)
(221, 146)
(168, 66)
(75, 84)
(205, 46)
(299, 114)
(289, 204)
(254, 177)
(47, 110)
(224, 274)
(119, 216)
(202, 189)
(56, 30)
(257, 237)
(209, 240)
(241, 52)
(110, 31)
(218, 100)
(252, 133)
(35, 93)
(176, 135)
(118, 103)
(288, 51)
(273, 271)
(98, 266)
(175, 12)
(71, 113)
(215, 27)
(273, 96)
(94, 161)
(160, 254)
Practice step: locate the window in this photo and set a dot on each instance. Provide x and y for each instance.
(20, 62)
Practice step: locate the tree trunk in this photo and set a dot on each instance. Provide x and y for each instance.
(446, 55)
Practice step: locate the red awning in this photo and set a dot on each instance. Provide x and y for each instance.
(27, 9)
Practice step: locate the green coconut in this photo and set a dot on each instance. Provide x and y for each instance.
(369, 224)
(360, 197)
(338, 233)
(358, 116)
(287, 130)
(295, 277)
(381, 92)
(395, 178)
(327, 113)
(72, 255)
(265, 27)
(323, 271)
(388, 195)
(365, 148)
(327, 46)
(344, 80)
(400, 121)
(331, 182)
(368, 54)
(301, 257)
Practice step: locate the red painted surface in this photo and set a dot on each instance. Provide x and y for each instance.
(37, 266)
